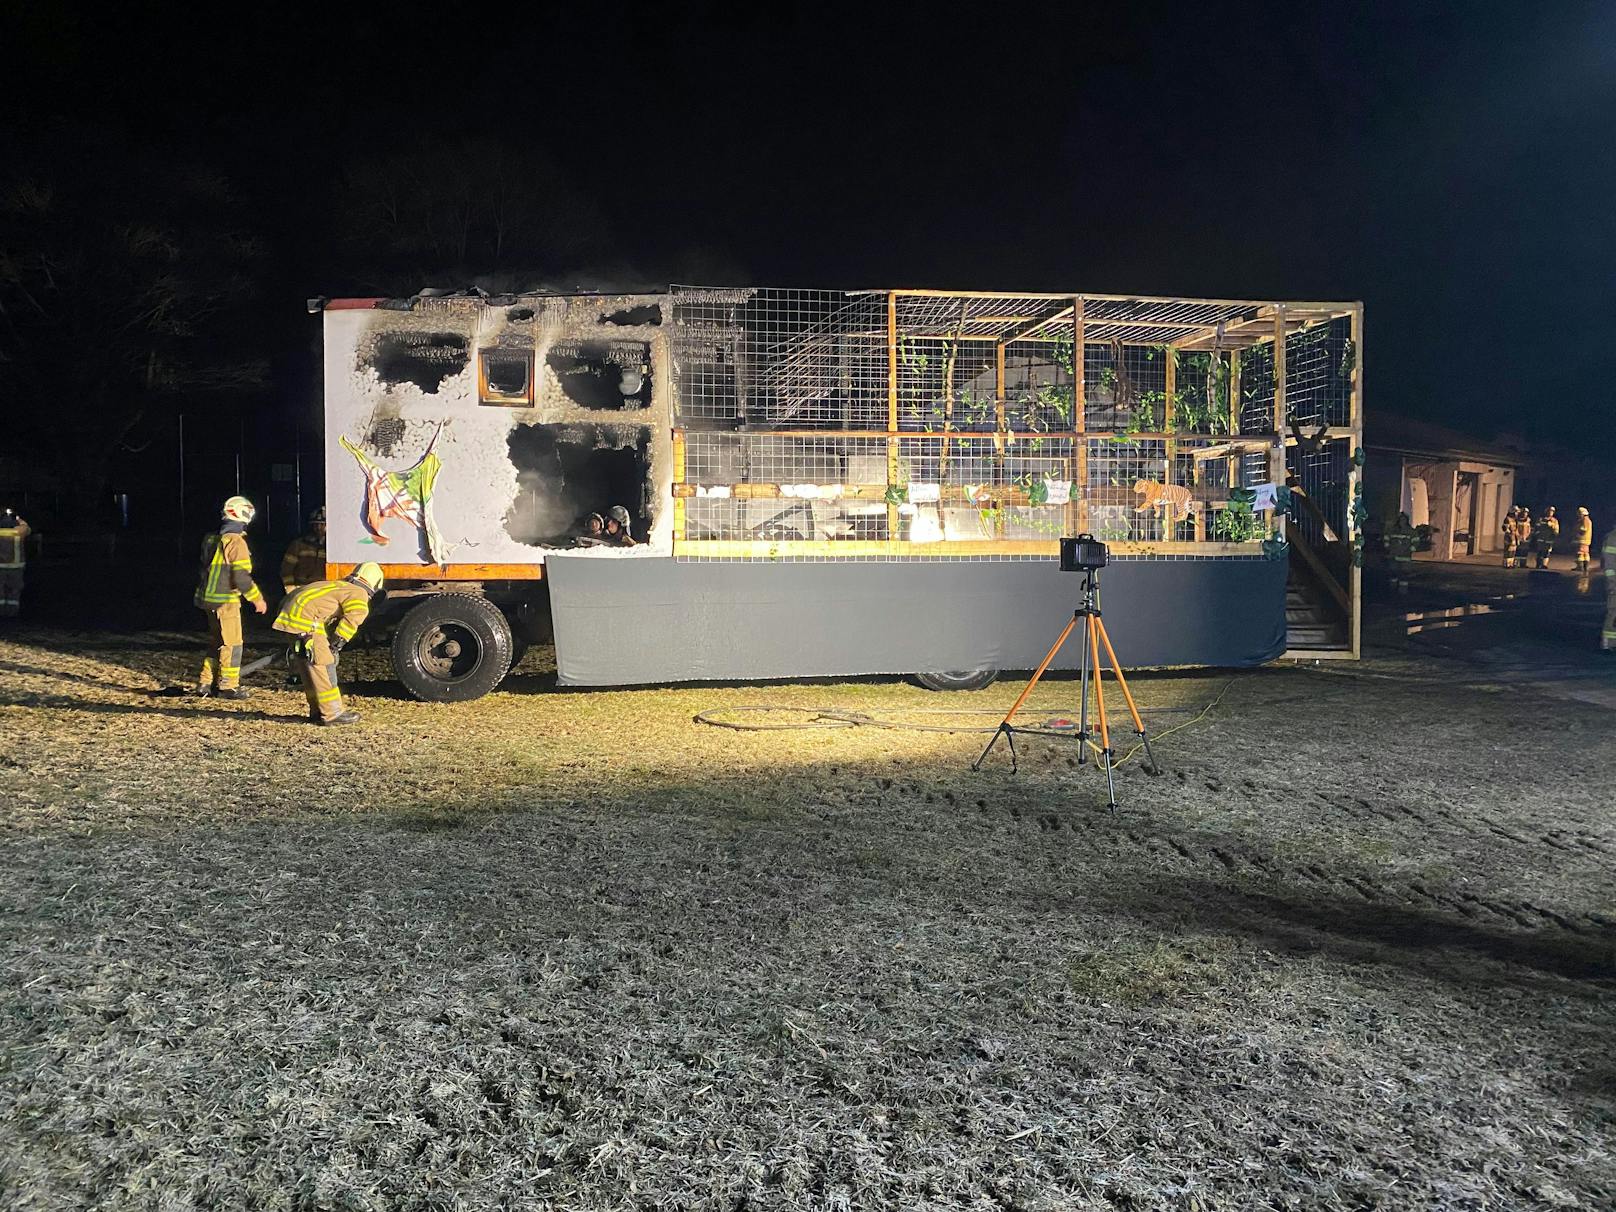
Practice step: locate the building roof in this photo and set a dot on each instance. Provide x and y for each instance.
(1404, 435)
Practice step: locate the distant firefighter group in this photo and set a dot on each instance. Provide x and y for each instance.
(1524, 538)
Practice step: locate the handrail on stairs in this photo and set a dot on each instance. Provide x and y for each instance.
(1315, 562)
(1300, 495)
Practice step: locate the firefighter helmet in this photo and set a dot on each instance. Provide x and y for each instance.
(239, 509)
(619, 515)
(317, 518)
(369, 575)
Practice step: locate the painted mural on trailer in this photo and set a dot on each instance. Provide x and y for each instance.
(472, 431)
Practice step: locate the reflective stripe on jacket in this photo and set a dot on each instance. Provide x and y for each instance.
(303, 563)
(312, 607)
(14, 546)
(226, 570)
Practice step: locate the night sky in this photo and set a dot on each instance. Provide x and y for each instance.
(1451, 165)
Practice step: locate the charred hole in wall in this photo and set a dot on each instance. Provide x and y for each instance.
(564, 473)
(651, 313)
(425, 359)
(385, 434)
(603, 375)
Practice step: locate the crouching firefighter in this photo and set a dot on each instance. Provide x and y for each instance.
(340, 606)
(226, 579)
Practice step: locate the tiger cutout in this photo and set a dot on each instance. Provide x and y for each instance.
(1171, 499)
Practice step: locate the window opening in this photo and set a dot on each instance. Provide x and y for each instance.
(505, 378)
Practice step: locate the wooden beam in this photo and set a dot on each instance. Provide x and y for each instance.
(1000, 421)
(937, 435)
(1077, 509)
(678, 479)
(1339, 306)
(1355, 476)
(1168, 403)
(892, 409)
(413, 573)
(1276, 460)
(1020, 333)
(1233, 471)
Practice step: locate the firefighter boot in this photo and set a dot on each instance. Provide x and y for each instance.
(347, 717)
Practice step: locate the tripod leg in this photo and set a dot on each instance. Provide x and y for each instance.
(1096, 630)
(1099, 690)
(1039, 672)
(1089, 658)
(1133, 709)
(1002, 730)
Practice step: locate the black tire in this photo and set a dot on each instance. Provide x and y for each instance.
(962, 679)
(452, 648)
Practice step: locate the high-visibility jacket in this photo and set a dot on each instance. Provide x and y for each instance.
(1548, 530)
(303, 563)
(1607, 557)
(314, 606)
(1585, 531)
(14, 545)
(226, 569)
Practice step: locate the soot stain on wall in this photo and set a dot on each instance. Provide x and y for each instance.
(566, 472)
(385, 435)
(607, 376)
(424, 359)
(650, 314)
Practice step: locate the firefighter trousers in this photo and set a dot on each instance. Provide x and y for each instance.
(221, 668)
(10, 592)
(315, 663)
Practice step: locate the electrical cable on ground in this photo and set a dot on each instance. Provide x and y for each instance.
(845, 717)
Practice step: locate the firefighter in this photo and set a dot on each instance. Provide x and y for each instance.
(1400, 538)
(617, 527)
(1508, 528)
(1584, 537)
(1607, 565)
(304, 561)
(1547, 535)
(1523, 536)
(343, 605)
(14, 534)
(225, 580)
(591, 531)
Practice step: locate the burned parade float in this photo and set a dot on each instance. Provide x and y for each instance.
(827, 482)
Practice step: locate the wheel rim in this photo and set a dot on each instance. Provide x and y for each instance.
(449, 652)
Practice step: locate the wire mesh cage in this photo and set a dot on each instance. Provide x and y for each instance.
(827, 424)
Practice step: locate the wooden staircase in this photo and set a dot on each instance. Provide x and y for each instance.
(1313, 620)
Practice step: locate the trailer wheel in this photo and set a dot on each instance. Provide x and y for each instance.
(962, 679)
(452, 648)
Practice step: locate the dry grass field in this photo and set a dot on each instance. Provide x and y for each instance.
(1355, 949)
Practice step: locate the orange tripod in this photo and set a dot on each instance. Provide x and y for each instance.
(1094, 636)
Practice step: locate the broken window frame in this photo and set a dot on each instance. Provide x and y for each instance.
(489, 396)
